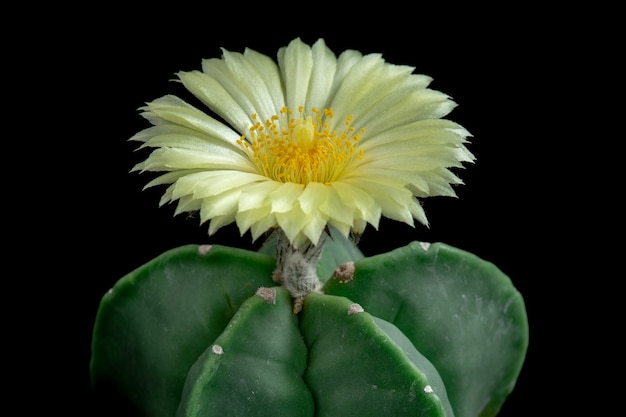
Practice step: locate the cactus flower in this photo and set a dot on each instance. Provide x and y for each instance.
(304, 142)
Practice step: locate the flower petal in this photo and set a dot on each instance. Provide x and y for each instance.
(285, 197)
(257, 195)
(216, 157)
(269, 71)
(208, 90)
(249, 80)
(210, 183)
(324, 64)
(296, 63)
(397, 203)
(176, 111)
(323, 198)
(365, 207)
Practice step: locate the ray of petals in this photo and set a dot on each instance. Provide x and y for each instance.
(257, 220)
(354, 87)
(211, 183)
(322, 197)
(365, 207)
(412, 147)
(294, 221)
(167, 159)
(438, 132)
(219, 70)
(220, 221)
(175, 110)
(296, 63)
(393, 200)
(181, 137)
(263, 225)
(208, 90)
(248, 79)
(417, 105)
(314, 227)
(187, 204)
(370, 82)
(168, 177)
(345, 61)
(257, 195)
(403, 178)
(220, 204)
(324, 64)
(269, 71)
(373, 106)
(440, 182)
(419, 163)
(285, 197)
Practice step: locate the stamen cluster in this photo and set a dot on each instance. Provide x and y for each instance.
(301, 149)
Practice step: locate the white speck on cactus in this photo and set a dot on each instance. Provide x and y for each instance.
(344, 272)
(204, 249)
(217, 349)
(425, 245)
(355, 309)
(428, 389)
(268, 294)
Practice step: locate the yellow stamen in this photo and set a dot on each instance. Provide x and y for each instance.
(301, 149)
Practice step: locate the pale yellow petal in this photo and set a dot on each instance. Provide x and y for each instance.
(211, 183)
(219, 205)
(365, 207)
(285, 197)
(324, 64)
(208, 90)
(440, 132)
(296, 63)
(176, 111)
(257, 195)
(314, 227)
(269, 71)
(220, 221)
(417, 105)
(248, 218)
(248, 79)
(394, 201)
(292, 222)
(213, 157)
(345, 61)
(324, 198)
(182, 137)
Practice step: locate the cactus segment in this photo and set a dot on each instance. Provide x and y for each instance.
(362, 366)
(154, 323)
(460, 311)
(254, 368)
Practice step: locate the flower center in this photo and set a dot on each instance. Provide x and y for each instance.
(301, 149)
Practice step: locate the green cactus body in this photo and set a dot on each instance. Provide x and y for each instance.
(255, 367)
(425, 330)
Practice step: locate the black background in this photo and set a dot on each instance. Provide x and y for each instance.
(81, 80)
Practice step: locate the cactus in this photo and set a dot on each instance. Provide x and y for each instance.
(423, 330)
(311, 149)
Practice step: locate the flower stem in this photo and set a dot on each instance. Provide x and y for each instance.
(296, 267)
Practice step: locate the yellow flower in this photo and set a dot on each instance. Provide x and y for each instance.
(311, 140)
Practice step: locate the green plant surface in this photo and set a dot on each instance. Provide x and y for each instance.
(255, 367)
(363, 366)
(433, 314)
(155, 322)
(458, 310)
